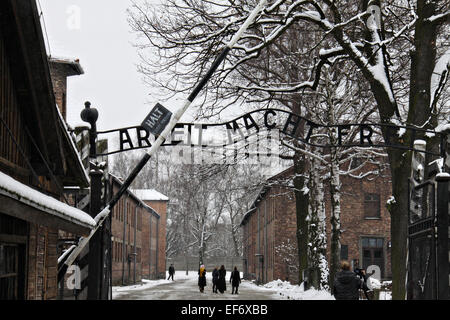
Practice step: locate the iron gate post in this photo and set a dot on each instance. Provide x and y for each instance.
(95, 275)
(442, 253)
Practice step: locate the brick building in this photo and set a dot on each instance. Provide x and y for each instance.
(37, 159)
(154, 233)
(138, 225)
(269, 228)
(60, 70)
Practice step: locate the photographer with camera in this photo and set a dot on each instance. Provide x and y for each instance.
(347, 283)
(363, 276)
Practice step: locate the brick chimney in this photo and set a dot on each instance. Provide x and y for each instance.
(60, 70)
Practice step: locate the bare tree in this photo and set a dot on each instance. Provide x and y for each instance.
(395, 47)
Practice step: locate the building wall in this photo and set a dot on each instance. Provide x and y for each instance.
(12, 161)
(59, 80)
(38, 243)
(271, 228)
(285, 230)
(41, 246)
(158, 235)
(149, 238)
(42, 263)
(355, 226)
(126, 231)
(149, 241)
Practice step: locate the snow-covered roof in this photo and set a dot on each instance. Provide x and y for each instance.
(74, 63)
(150, 195)
(135, 196)
(16, 190)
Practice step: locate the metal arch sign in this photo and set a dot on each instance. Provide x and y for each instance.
(242, 128)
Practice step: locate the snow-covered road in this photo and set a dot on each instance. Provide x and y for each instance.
(185, 288)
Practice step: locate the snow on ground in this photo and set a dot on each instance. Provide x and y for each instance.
(295, 292)
(148, 284)
(185, 288)
(275, 290)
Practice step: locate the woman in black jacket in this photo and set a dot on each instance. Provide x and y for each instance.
(235, 280)
(221, 283)
(215, 278)
(347, 284)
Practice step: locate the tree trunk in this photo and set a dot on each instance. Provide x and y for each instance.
(317, 229)
(335, 216)
(301, 200)
(400, 170)
(422, 66)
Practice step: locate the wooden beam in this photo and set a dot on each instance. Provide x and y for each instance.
(37, 74)
(31, 214)
(12, 238)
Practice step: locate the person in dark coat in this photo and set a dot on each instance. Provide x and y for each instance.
(235, 280)
(347, 283)
(215, 279)
(202, 278)
(171, 272)
(221, 283)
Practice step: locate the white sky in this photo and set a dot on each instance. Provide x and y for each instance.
(97, 33)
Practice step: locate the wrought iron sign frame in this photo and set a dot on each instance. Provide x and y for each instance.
(289, 128)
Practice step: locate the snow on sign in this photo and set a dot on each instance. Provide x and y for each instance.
(157, 119)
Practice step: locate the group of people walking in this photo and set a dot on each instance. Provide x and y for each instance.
(218, 279)
(346, 285)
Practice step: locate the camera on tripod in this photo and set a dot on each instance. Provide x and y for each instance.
(361, 273)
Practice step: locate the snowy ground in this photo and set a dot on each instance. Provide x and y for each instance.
(185, 288)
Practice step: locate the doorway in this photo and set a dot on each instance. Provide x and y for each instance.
(372, 253)
(12, 273)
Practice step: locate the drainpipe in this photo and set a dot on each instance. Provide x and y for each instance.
(265, 242)
(157, 247)
(150, 250)
(124, 250)
(259, 246)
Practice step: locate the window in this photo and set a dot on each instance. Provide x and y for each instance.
(344, 252)
(371, 206)
(356, 162)
(139, 220)
(372, 242)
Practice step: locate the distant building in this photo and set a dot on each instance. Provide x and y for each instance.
(154, 233)
(37, 160)
(138, 235)
(269, 228)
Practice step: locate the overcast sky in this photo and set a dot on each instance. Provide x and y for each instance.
(97, 33)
